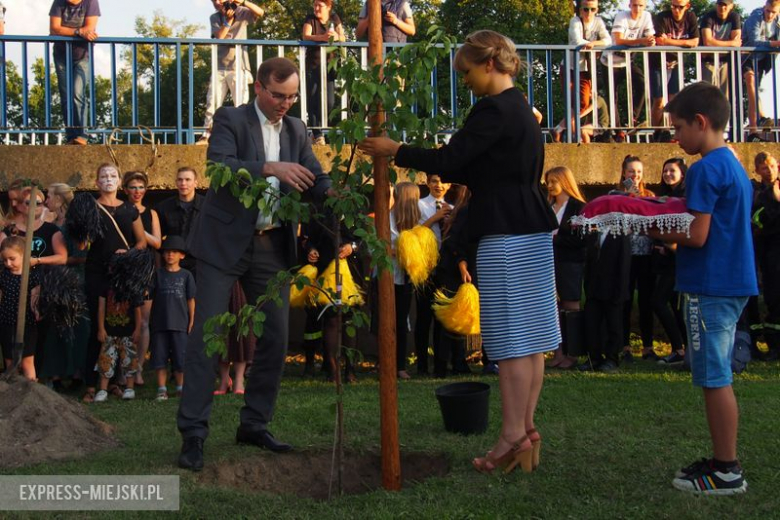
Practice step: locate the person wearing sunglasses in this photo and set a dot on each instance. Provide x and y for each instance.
(232, 242)
(586, 30)
(679, 27)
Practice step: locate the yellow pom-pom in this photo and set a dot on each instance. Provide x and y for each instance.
(459, 314)
(350, 292)
(302, 297)
(418, 253)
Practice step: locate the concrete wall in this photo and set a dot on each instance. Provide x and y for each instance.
(593, 164)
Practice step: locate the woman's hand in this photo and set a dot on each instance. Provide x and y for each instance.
(345, 251)
(379, 146)
(463, 267)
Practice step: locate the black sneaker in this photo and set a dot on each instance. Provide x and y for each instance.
(692, 468)
(628, 357)
(672, 359)
(706, 480)
(650, 356)
(607, 366)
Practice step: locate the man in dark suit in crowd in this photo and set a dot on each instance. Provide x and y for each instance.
(178, 214)
(234, 243)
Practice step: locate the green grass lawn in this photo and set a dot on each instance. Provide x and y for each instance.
(611, 446)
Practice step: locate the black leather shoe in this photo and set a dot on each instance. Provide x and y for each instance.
(191, 456)
(262, 439)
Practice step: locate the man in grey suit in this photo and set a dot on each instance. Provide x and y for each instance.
(233, 243)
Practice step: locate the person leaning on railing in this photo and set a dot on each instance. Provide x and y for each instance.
(586, 30)
(762, 29)
(677, 26)
(73, 18)
(397, 21)
(721, 27)
(229, 22)
(320, 26)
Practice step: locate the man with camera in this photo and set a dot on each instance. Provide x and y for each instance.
(229, 22)
(397, 21)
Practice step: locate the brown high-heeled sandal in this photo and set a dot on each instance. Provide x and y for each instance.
(536, 443)
(509, 460)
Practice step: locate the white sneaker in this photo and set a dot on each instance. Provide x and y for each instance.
(101, 396)
(128, 394)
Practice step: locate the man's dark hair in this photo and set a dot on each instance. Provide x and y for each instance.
(277, 68)
(187, 169)
(701, 98)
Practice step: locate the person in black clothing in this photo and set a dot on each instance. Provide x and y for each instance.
(122, 229)
(665, 299)
(455, 257)
(607, 269)
(320, 26)
(568, 247)
(178, 214)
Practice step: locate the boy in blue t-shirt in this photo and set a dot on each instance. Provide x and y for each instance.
(715, 275)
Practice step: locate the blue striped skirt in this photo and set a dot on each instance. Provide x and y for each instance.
(518, 308)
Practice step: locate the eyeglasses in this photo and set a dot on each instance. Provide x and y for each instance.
(280, 98)
(722, 4)
(136, 188)
(678, 7)
(589, 9)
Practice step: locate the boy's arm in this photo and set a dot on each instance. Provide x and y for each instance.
(101, 331)
(699, 231)
(191, 308)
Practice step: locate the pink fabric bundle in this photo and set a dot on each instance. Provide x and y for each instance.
(624, 214)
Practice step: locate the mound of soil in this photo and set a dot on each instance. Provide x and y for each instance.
(309, 473)
(38, 425)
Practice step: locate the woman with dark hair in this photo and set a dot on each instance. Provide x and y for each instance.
(665, 300)
(641, 278)
(499, 155)
(135, 184)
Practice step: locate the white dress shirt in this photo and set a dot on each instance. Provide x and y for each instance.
(271, 146)
(427, 210)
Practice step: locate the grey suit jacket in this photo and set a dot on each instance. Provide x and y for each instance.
(225, 228)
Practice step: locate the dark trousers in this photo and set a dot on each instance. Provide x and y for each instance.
(637, 92)
(259, 263)
(603, 329)
(642, 280)
(666, 307)
(93, 285)
(314, 99)
(403, 301)
(422, 327)
(770, 277)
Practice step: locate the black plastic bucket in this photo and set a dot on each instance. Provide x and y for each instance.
(464, 406)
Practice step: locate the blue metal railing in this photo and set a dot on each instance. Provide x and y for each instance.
(141, 90)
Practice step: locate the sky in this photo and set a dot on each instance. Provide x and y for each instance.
(118, 19)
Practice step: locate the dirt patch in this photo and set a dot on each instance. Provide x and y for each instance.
(38, 425)
(308, 473)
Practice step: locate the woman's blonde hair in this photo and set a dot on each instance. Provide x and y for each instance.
(406, 208)
(566, 179)
(64, 192)
(481, 46)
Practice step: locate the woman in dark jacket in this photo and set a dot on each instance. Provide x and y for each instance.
(499, 155)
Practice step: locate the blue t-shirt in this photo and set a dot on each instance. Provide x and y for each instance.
(718, 185)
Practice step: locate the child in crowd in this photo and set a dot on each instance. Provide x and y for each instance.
(12, 251)
(172, 315)
(715, 274)
(569, 247)
(665, 298)
(641, 276)
(118, 331)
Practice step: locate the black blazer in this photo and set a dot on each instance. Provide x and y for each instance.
(499, 155)
(568, 243)
(225, 227)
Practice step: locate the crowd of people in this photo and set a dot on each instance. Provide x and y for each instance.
(677, 26)
(635, 28)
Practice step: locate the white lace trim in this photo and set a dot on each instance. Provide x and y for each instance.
(618, 223)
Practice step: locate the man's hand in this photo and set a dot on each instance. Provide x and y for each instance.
(345, 251)
(101, 335)
(292, 174)
(88, 35)
(391, 18)
(379, 146)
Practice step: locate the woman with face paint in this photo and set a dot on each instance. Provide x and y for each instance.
(122, 229)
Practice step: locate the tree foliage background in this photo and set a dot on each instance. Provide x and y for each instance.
(540, 22)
